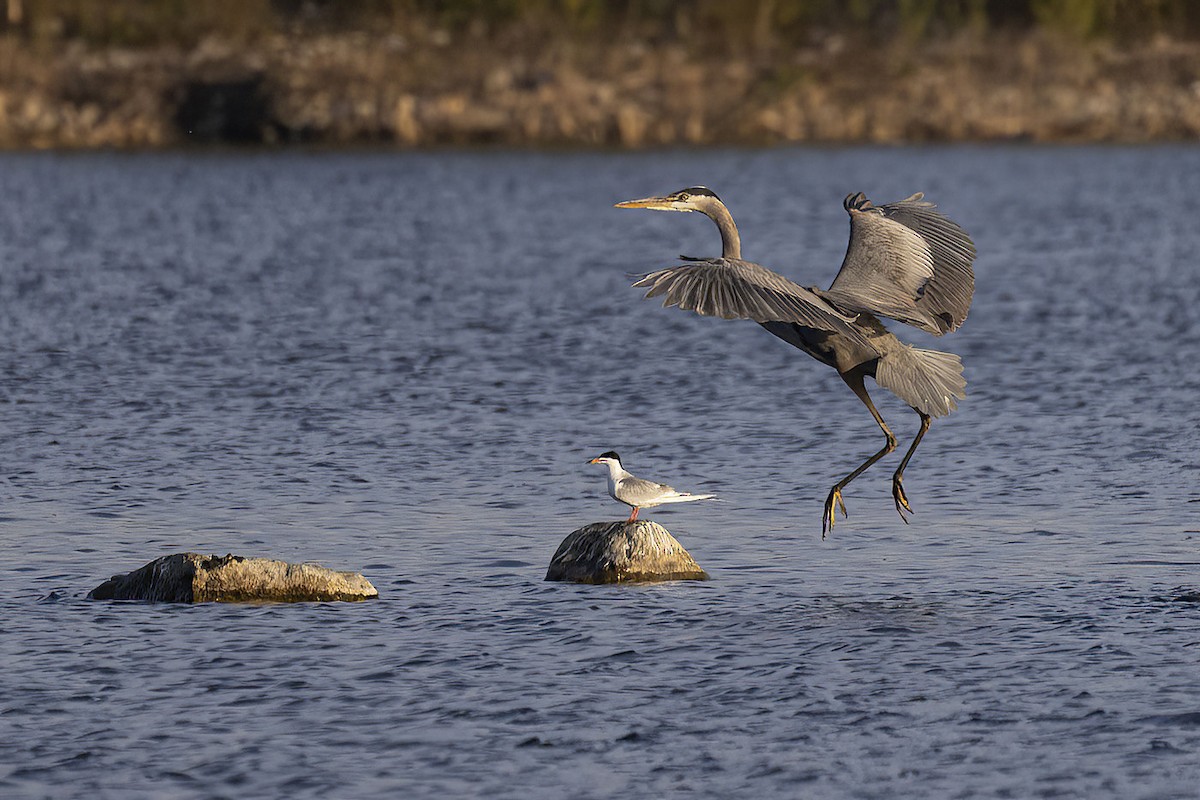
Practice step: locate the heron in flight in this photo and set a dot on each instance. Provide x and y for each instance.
(904, 261)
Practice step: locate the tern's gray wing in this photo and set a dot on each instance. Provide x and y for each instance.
(734, 289)
(638, 492)
(905, 261)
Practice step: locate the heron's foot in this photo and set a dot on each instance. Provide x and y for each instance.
(832, 503)
(900, 498)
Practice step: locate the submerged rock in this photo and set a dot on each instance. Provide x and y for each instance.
(193, 578)
(619, 552)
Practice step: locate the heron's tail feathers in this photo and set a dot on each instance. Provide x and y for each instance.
(685, 497)
(927, 380)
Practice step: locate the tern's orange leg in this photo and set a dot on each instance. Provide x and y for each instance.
(633, 514)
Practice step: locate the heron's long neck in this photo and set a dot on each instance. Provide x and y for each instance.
(731, 243)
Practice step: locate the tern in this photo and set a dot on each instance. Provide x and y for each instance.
(638, 493)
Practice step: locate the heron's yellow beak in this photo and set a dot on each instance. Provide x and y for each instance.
(653, 203)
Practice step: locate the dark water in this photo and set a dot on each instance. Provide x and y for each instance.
(398, 364)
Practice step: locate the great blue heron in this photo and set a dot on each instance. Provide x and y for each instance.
(904, 261)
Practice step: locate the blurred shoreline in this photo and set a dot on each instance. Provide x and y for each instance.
(430, 89)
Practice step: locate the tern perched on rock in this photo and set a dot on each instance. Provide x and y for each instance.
(638, 493)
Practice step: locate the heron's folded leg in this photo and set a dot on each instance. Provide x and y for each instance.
(854, 379)
(898, 477)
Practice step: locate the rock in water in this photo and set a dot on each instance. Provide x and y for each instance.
(618, 552)
(193, 578)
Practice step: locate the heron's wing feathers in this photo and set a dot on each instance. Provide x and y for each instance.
(734, 289)
(905, 261)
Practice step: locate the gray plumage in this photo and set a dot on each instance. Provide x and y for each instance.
(731, 288)
(639, 493)
(904, 260)
(907, 262)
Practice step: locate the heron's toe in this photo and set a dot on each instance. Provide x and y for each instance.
(832, 503)
(901, 498)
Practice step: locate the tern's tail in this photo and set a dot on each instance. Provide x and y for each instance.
(684, 497)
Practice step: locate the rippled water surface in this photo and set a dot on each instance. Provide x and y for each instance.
(399, 364)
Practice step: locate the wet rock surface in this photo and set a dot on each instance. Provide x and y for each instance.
(620, 552)
(195, 578)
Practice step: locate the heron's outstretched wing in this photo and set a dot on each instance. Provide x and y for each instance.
(905, 261)
(734, 289)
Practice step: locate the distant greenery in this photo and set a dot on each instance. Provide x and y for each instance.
(734, 23)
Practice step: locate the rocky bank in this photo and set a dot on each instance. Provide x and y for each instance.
(361, 88)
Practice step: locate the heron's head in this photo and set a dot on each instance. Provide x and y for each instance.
(610, 457)
(695, 198)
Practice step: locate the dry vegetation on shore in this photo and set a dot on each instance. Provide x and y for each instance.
(127, 74)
